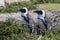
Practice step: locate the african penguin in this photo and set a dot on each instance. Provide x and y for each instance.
(24, 15)
(41, 20)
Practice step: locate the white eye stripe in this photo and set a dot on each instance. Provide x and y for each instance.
(43, 13)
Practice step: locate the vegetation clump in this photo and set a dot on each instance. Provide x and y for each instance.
(9, 30)
(13, 7)
(52, 35)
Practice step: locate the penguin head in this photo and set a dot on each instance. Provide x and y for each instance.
(40, 12)
(24, 10)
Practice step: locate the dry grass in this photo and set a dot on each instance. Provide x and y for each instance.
(49, 6)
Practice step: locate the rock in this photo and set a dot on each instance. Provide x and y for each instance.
(53, 18)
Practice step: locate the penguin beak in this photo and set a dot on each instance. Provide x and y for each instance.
(20, 10)
(36, 11)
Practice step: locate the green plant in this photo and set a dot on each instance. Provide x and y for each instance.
(13, 7)
(9, 30)
(52, 35)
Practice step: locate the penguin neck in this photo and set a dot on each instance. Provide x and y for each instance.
(24, 14)
(40, 17)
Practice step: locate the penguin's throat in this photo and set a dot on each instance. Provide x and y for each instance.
(24, 14)
(40, 17)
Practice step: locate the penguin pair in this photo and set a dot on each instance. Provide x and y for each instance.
(40, 17)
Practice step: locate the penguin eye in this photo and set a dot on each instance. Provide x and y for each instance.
(23, 10)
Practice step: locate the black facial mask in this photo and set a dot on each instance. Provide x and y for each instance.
(23, 10)
(39, 12)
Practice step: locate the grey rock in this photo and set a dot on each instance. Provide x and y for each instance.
(53, 18)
